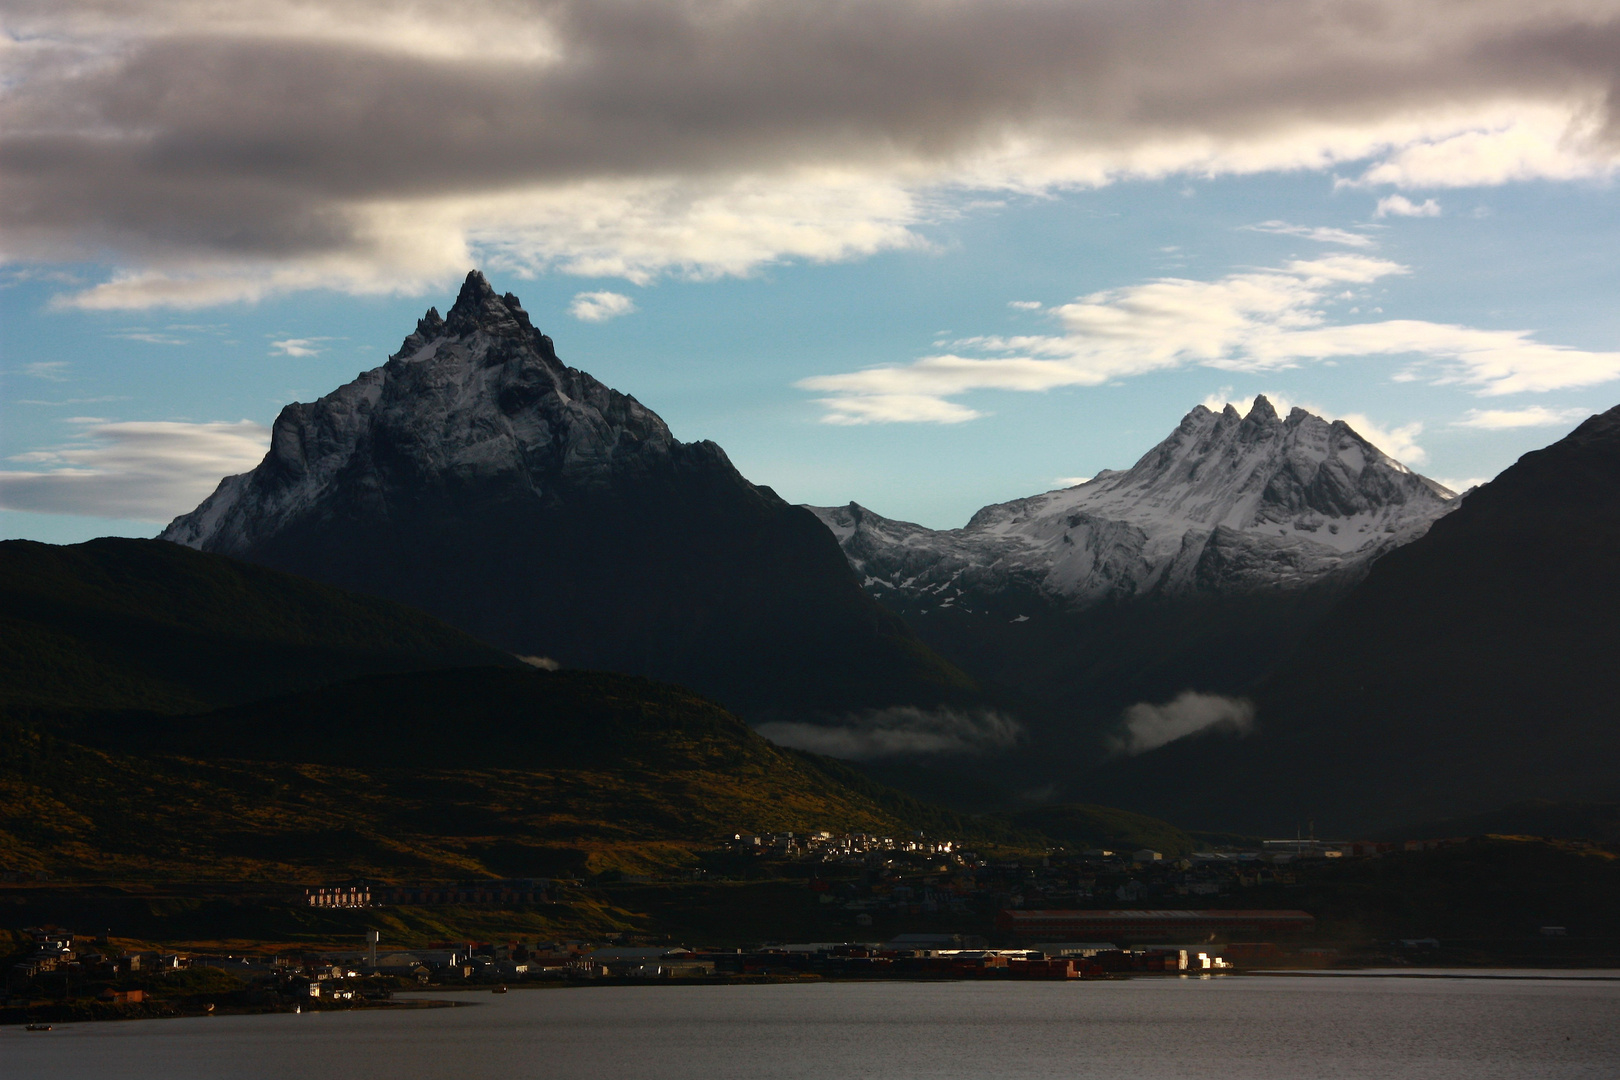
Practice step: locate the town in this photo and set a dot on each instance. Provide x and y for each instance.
(876, 906)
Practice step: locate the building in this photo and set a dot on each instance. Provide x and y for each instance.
(1151, 925)
(339, 896)
(495, 892)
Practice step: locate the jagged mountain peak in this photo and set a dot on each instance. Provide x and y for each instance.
(1227, 501)
(478, 307)
(472, 396)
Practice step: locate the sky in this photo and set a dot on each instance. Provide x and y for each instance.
(920, 254)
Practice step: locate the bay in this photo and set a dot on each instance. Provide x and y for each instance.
(1253, 1027)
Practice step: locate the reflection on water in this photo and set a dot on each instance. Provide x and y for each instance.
(1250, 1027)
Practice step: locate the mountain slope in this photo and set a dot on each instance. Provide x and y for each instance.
(476, 476)
(1472, 668)
(116, 624)
(1196, 568)
(457, 773)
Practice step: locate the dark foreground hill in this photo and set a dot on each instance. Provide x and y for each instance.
(1473, 668)
(460, 773)
(145, 624)
(478, 477)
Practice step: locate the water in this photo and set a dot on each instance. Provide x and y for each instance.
(1257, 1028)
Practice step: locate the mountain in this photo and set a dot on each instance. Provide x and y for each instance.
(1472, 668)
(140, 624)
(1226, 504)
(476, 476)
(1193, 569)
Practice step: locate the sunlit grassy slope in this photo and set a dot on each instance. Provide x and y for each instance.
(466, 772)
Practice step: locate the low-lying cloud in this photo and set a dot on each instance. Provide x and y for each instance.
(145, 470)
(1249, 321)
(1148, 727)
(223, 152)
(899, 732)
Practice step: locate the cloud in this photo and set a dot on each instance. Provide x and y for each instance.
(1148, 727)
(149, 337)
(854, 409)
(298, 347)
(1321, 234)
(1462, 486)
(1401, 206)
(1025, 305)
(1530, 416)
(1071, 481)
(1252, 321)
(49, 370)
(600, 306)
(900, 731)
(220, 153)
(1536, 144)
(139, 470)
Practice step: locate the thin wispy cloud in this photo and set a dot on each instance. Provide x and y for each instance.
(1531, 416)
(140, 470)
(49, 370)
(299, 346)
(72, 401)
(220, 153)
(600, 306)
(1322, 234)
(1252, 321)
(149, 337)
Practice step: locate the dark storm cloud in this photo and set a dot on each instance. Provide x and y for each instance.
(168, 130)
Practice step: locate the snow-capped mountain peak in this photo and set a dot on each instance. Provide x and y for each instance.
(476, 394)
(1227, 502)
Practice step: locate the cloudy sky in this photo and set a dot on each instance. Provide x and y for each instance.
(922, 254)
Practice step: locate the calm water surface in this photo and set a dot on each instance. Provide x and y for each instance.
(1256, 1028)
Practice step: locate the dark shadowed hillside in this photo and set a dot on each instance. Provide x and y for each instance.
(1473, 668)
(145, 624)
